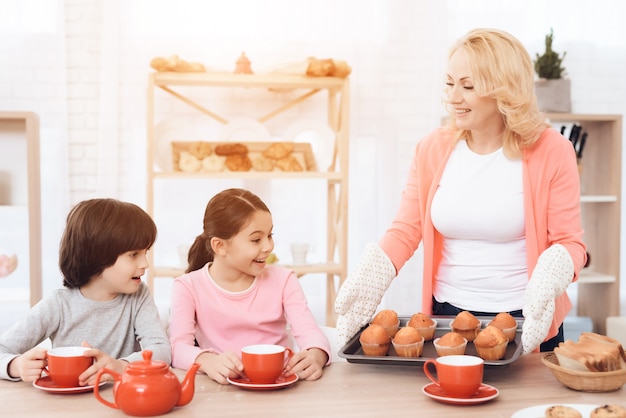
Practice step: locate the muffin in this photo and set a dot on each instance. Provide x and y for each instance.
(388, 319)
(506, 323)
(449, 344)
(375, 341)
(408, 342)
(466, 324)
(491, 343)
(424, 324)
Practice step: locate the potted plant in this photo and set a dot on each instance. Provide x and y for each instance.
(551, 87)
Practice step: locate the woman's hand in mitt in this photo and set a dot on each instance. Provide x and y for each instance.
(362, 291)
(552, 274)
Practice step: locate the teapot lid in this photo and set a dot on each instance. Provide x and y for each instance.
(147, 364)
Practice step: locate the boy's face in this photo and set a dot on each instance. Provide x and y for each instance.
(125, 275)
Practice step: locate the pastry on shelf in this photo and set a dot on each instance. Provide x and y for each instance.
(174, 64)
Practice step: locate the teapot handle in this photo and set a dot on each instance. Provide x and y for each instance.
(96, 389)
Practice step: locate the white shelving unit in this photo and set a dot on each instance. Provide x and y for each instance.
(599, 284)
(20, 190)
(335, 176)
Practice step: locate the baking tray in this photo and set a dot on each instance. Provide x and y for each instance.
(353, 353)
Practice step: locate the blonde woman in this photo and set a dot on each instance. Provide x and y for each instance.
(493, 198)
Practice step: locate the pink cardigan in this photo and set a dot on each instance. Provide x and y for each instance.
(221, 321)
(551, 205)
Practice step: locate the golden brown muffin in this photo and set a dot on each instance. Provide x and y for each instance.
(388, 319)
(466, 324)
(450, 343)
(424, 324)
(491, 343)
(608, 411)
(506, 323)
(562, 411)
(375, 341)
(408, 342)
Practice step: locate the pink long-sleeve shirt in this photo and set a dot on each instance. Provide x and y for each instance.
(222, 321)
(551, 207)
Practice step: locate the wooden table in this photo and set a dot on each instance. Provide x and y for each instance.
(345, 390)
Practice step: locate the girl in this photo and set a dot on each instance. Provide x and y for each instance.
(230, 298)
(105, 304)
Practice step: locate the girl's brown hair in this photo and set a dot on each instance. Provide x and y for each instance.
(97, 232)
(226, 213)
(502, 69)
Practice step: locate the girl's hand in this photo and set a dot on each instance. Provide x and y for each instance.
(101, 360)
(29, 365)
(219, 367)
(307, 364)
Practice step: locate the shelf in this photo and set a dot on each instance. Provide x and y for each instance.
(598, 199)
(334, 264)
(589, 276)
(280, 81)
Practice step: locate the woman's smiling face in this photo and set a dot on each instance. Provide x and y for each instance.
(473, 112)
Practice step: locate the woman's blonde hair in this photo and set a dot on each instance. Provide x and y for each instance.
(502, 69)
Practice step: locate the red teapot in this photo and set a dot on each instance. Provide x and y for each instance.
(148, 388)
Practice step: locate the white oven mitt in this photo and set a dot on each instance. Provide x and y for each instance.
(552, 274)
(362, 291)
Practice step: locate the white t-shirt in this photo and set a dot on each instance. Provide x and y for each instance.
(479, 210)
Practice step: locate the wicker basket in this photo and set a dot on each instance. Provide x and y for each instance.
(585, 381)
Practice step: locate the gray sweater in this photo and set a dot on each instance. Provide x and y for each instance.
(121, 327)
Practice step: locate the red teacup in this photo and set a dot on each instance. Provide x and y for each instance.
(66, 364)
(459, 376)
(264, 363)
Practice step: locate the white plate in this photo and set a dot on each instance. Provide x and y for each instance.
(244, 130)
(538, 411)
(318, 134)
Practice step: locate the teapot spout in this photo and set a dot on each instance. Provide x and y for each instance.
(188, 386)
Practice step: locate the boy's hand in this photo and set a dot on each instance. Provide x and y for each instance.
(29, 365)
(101, 360)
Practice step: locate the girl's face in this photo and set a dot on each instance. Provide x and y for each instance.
(247, 251)
(122, 277)
(473, 112)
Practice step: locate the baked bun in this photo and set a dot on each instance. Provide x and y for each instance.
(213, 163)
(466, 324)
(593, 352)
(608, 411)
(238, 162)
(231, 149)
(491, 343)
(263, 164)
(375, 341)
(506, 323)
(388, 319)
(278, 150)
(289, 163)
(450, 343)
(408, 342)
(424, 324)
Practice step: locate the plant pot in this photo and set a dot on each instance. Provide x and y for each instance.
(553, 95)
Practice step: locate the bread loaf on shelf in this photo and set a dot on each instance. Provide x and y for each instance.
(593, 352)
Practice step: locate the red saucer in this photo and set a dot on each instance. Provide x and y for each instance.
(281, 382)
(47, 384)
(485, 393)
